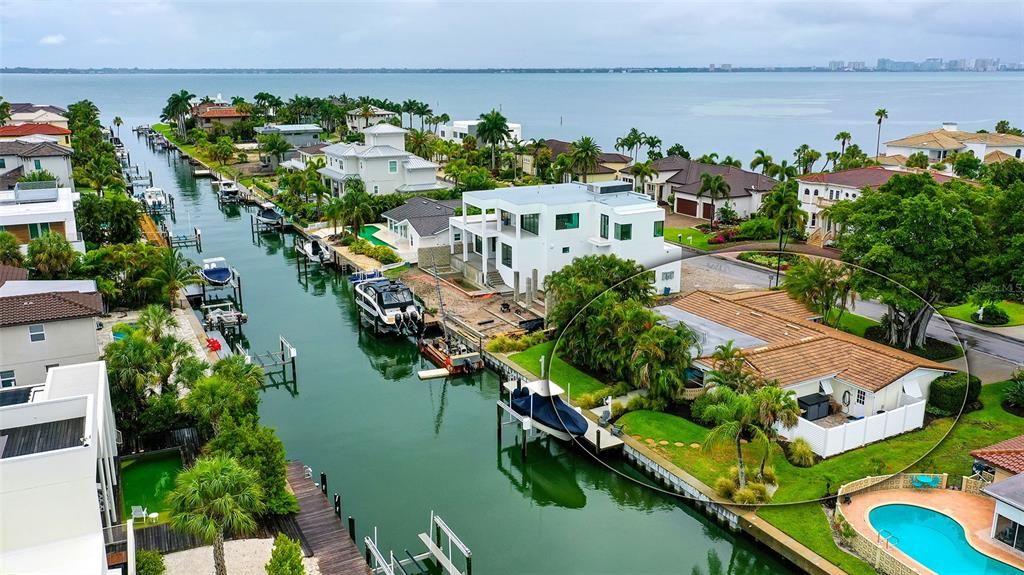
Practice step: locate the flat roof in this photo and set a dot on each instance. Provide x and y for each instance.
(712, 334)
(559, 194)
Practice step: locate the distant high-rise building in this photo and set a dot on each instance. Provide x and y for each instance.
(711, 67)
(986, 64)
(726, 67)
(931, 65)
(857, 65)
(836, 65)
(887, 65)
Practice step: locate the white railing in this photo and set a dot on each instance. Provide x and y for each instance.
(829, 441)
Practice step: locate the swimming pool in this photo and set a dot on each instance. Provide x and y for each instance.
(367, 232)
(934, 540)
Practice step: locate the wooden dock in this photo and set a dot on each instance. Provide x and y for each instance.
(322, 530)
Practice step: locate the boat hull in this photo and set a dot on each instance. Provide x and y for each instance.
(551, 413)
(458, 365)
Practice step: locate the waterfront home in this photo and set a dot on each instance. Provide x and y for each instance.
(818, 192)
(28, 113)
(1003, 460)
(356, 120)
(28, 156)
(58, 473)
(608, 168)
(524, 233)
(381, 163)
(939, 144)
(298, 135)
(32, 209)
(45, 324)
(419, 223)
(304, 155)
(459, 129)
(224, 116)
(852, 391)
(37, 132)
(1008, 516)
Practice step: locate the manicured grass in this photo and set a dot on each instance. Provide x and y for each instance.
(147, 480)
(964, 311)
(573, 380)
(700, 239)
(853, 323)
(808, 524)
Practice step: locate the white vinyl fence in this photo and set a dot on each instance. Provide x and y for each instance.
(829, 441)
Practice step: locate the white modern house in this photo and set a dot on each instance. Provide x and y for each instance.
(32, 209)
(818, 192)
(522, 234)
(459, 129)
(357, 121)
(419, 223)
(58, 471)
(23, 156)
(381, 163)
(851, 391)
(298, 135)
(938, 144)
(46, 324)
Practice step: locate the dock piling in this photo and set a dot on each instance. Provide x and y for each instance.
(352, 528)
(323, 482)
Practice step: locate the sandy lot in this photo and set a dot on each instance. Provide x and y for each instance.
(243, 557)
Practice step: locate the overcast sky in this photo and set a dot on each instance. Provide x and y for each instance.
(289, 34)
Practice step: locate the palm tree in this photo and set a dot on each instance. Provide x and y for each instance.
(155, 321)
(808, 160)
(653, 143)
(178, 105)
(213, 498)
(843, 138)
(274, 146)
(729, 364)
(823, 285)
(10, 250)
(711, 158)
(774, 406)
(585, 155)
(357, 210)
(782, 206)
(730, 161)
(408, 107)
(335, 211)
(51, 256)
(366, 112)
(881, 114)
(830, 157)
(782, 171)
(493, 130)
(735, 415)
(761, 160)
(642, 171)
(714, 187)
(117, 124)
(5, 111)
(174, 273)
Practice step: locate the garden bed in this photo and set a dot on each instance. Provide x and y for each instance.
(965, 312)
(770, 260)
(934, 349)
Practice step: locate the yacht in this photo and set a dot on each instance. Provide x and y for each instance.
(269, 216)
(388, 306)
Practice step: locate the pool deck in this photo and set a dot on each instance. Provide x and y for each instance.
(973, 512)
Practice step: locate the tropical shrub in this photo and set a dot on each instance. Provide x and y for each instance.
(800, 453)
(382, 254)
(504, 343)
(760, 491)
(725, 487)
(745, 496)
(757, 228)
(699, 407)
(618, 409)
(727, 214)
(990, 314)
(590, 400)
(10, 250)
(770, 260)
(768, 475)
(724, 236)
(149, 563)
(637, 403)
(286, 558)
(258, 448)
(948, 393)
(1014, 393)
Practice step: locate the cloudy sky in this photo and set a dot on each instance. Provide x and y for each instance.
(289, 34)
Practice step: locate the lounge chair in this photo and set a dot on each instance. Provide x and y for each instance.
(139, 512)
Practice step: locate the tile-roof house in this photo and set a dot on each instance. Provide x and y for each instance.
(420, 223)
(32, 156)
(1006, 457)
(28, 113)
(746, 190)
(854, 391)
(50, 132)
(606, 170)
(42, 330)
(225, 115)
(938, 144)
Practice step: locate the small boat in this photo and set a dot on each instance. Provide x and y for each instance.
(228, 191)
(155, 199)
(539, 400)
(388, 306)
(455, 359)
(216, 271)
(312, 249)
(269, 216)
(365, 276)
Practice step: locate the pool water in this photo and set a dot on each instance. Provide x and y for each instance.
(367, 234)
(934, 540)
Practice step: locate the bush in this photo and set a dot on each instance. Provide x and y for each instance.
(618, 409)
(758, 228)
(724, 236)
(149, 563)
(382, 254)
(700, 406)
(286, 558)
(745, 496)
(800, 453)
(760, 490)
(770, 260)
(637, 403)
(947, 393)
(725, 487)
(769, 475)
(990, 314)
(1014, 393)
(727, 214)
(504, 343)
(590, 400)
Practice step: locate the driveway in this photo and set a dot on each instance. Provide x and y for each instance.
(673, 220)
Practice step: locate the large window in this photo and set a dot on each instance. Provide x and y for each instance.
(507, 219)
(604, 226)
(624, 232)
(567, 221)
(36, 333)
(36, 230)
(3, 163)
(478, 244)
(530, 223)
(7, 379)
(659, 229)
(392, 166)
(506, 255)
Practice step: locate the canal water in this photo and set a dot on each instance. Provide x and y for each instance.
(397, 448)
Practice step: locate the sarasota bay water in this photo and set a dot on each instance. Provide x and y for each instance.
(396, 447)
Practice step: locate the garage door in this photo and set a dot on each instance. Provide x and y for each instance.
(686, 207)
(709, 211)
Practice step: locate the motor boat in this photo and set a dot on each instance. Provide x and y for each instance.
(388, 306)
(457, 359)
(155, 199)
(540, 401)
(269, 216)
(216, 271)
(228, 191)
(312, 249)
(365, 276)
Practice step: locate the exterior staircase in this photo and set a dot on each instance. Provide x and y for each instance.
(819, 237)
(494, 280)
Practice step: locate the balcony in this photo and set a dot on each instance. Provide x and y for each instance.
(823, 202)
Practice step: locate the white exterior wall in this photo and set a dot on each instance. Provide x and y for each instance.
(745, 206)
(59, 166)
(1008, 511)
(376, 176)
(419, 176)
(811, 192)
(67, 342)
(62, 210)
(395, 140)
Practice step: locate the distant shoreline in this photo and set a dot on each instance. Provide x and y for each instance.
(648, 70)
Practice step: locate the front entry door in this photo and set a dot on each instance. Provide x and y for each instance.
(492, 246)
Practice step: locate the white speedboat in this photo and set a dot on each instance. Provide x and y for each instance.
(216, 271)
(155, 199)
(312, 249)
(228, 191)
(388, 306)
(541, 401)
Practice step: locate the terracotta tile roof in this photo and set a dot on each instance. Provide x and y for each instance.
(942, 139)
(893, 160)
(1007, 454)
(860, 178)
(9, 273)
(997, 156)
(774, 301)
(32, 130)
(798, 349)
(228, 112)
(47, 307)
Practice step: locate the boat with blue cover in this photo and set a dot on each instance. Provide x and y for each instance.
(539, 400)
(216, 271)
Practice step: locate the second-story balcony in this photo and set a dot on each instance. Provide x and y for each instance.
(823, 202)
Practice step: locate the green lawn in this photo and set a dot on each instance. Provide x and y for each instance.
(700, 239)
(963, 312)
(147, 480)
(853, 323)
(573, 380)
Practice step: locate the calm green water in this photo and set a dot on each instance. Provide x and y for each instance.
(397, 448)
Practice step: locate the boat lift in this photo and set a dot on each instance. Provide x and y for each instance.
(223, 317)
(182, 241)
(278, 366)
(442, 548)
